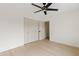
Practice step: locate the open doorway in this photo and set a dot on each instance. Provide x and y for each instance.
(47, 30)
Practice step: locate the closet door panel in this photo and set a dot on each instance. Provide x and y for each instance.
(31, 30)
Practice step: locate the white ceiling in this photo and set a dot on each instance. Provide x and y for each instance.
(63, 8)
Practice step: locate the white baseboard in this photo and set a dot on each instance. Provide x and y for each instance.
(66, 43)
(12, 47)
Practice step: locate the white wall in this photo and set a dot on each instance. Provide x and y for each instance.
(11, 26)
(64, 28)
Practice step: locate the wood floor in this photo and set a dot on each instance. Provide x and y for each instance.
(42, 48)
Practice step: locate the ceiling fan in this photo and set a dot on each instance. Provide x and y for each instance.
(44, 8)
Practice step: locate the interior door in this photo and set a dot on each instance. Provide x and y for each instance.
(30, 30)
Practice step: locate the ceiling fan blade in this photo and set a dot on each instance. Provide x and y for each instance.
(48, 5)
(45, 12)
(36, 5)
(37, 11)
(44, 4)
(49, 9)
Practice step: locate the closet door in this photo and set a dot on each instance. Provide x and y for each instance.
(42, 30)
(31, 30)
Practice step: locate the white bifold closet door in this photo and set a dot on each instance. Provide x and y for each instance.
(30, 30)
